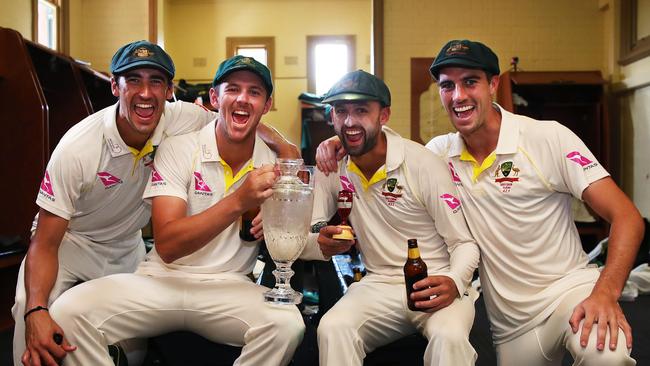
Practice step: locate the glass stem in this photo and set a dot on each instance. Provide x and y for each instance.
(283, 273)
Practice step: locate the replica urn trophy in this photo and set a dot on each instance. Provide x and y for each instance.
(286, 218)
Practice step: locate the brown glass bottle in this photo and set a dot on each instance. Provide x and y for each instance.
(246, 224)
(357, 275)
(414, 270)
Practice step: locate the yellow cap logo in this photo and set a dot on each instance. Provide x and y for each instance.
(142, 52)
(456, 48)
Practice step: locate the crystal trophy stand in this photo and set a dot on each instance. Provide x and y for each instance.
(286, 218)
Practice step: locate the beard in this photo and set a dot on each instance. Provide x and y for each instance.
(369, 141)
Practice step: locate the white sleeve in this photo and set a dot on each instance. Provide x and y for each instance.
(576, 166)
(444, 206)
(187, 117)
(439, 145)
(61, 185)
(325, 195)
(170, 174)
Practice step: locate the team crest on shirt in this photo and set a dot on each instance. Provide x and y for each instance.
(505, 175)
(454, 176)
(581, 160)
(200, 186)
(451, 201)
(156, 178)
(392, 191)
(46, 188)
(108, 179)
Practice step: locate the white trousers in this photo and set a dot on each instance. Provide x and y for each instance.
(374, 312)
(640, 278)
(77, 262)
(546, 344)
(124, 306)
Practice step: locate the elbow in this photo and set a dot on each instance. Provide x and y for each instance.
(166, 255)
(168, 259)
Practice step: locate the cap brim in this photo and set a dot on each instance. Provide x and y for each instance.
(348, 96)
(143, 64)
(244, 68)
(435, 69)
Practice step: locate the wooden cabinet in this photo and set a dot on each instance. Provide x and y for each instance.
(42, 94)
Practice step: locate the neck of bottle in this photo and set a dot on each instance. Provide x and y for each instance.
(414, 251)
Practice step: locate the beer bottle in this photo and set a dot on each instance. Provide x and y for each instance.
(414, 270)
(246, 224)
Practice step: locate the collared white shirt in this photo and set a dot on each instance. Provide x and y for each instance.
(94, 181)
(519, 210)
(190, 167)
(413, 197)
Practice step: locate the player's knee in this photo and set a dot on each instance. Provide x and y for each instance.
(331, 324)
(288, 323)
(68, 308)
(592, 357)
(449, 335)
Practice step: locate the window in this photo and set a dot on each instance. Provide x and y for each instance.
(328, 59)
(261, 49)
(635, 30)
(46, 23)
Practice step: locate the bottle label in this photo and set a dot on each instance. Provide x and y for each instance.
(414, 253)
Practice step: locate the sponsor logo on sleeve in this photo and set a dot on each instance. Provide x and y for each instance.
(156, 178)
(46, 187)
(505, 175)
(108, 179)
(451, 201)
(581, 160)
(200, 186)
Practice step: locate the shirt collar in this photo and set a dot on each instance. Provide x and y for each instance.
(116, 144)
(114, 141)
(508, 133)
(210, 151)
(394, 149)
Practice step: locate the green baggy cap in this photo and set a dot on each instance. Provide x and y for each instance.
(465, 53)
(142, 54)
(359, 85)
(239, 63)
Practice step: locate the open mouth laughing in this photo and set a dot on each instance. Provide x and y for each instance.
(353, 136)
(240, 116)
(463, 111)
(144, 110)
